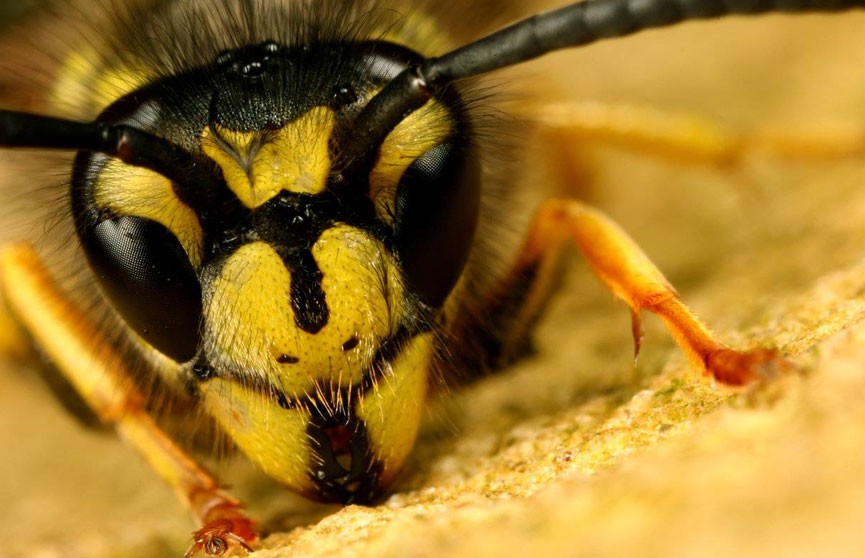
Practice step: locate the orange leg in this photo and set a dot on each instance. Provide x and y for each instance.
(508, 315)
(690, 138)
(614, 256)
(101, 377)
(631, 276)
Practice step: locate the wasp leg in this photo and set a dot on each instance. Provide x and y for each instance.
(694, 139)
(98, 373)
(623, 267)
(13, 342)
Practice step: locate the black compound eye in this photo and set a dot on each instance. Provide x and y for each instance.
(148, 277)
(436, 215)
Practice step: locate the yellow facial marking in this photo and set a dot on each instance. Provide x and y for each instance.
(250, 324)
(85, 85)
(414, 136)
(272, 437)
(140, 192)
(392, 411)
(259, 165)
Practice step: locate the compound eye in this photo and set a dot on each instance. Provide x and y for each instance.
(436, 216)
(148, 277)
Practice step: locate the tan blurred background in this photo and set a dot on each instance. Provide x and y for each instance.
(576, 452)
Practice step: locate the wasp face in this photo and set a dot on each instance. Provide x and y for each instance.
(302, 298)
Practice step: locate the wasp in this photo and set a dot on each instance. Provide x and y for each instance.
(283, 225)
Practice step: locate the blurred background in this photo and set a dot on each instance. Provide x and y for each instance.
(10, 9)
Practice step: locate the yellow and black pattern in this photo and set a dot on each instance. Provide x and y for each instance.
(258, 165)
(301, 304)
(296, 299)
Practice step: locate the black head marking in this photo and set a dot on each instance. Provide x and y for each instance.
(351, 343)
(306, 295)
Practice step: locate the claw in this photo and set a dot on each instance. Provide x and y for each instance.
(223, 538)
(636, 331)
(739, 368)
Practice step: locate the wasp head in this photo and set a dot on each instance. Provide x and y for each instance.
(299, 290)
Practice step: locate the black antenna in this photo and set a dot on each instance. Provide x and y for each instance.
(578, 24)
(132, 146)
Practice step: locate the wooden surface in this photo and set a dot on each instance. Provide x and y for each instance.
(576, 452)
